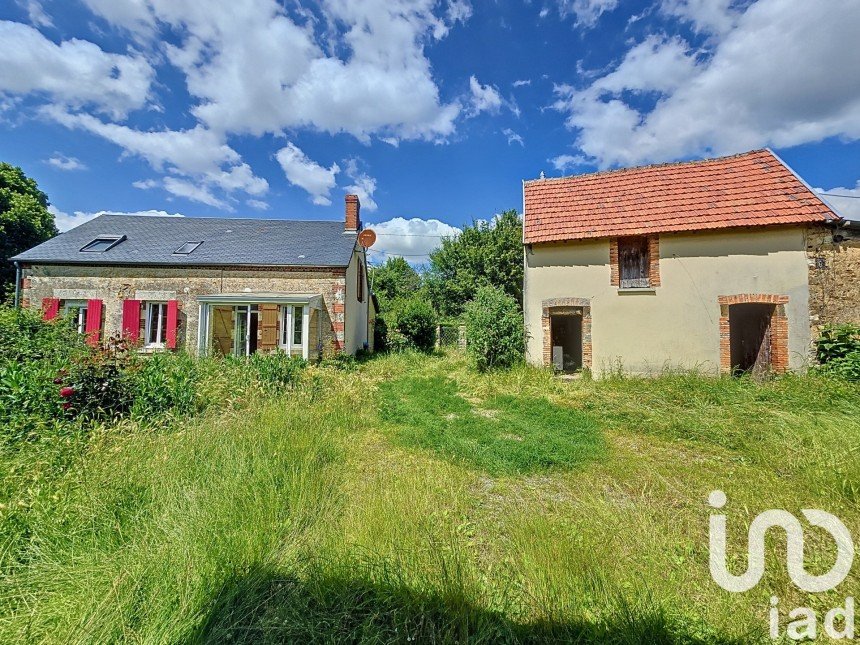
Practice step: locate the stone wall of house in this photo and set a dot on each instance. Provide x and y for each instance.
(834, 277)
(112, 285)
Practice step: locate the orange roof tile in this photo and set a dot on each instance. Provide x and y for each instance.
(750, 189)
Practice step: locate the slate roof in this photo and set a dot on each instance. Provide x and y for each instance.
(226, 242)
(750, 189)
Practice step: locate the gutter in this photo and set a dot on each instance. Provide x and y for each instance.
(17, 283)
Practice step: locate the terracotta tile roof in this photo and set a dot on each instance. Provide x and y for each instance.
(751, 189)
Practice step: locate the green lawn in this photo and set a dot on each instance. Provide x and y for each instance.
(415, 500)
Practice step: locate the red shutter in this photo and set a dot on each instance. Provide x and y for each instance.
(131, 319)
(172, 320)
(50, 308)
(94, 322)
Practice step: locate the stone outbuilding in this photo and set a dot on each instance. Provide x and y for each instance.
(720, 265)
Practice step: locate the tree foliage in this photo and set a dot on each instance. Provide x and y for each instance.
(411, 324)
(484, 254)
(495, 334)
(24, 218)
(394, 279)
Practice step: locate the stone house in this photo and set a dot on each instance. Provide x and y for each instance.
(231, 286)
(718, 265)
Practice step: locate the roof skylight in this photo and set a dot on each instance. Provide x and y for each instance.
(102, 243)
(187, 248)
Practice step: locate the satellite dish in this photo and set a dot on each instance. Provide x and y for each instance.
(367, 238)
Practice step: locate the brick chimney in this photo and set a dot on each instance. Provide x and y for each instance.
(353, 219)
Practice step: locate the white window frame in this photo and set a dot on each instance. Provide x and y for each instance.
(161, 329)
(82, 313)
(287, 328)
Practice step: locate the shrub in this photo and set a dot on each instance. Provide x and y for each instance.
(838, 350)
(380, 335)
(276, 371)
(99, 385)
(495, 335)
(414, 326)
(166, 383)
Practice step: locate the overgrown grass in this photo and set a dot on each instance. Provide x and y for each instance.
(356, 508)
(502, 435)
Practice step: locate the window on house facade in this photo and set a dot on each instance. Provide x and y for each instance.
(102, 243)
(77, 312)
(291, 326)
(156, 324)
(360, 287)
(634, 262)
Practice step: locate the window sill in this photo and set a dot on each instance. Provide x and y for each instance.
(636, 290)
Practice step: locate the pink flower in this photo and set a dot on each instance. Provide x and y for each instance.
(67, 391)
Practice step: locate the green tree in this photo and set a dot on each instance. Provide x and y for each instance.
(484, 254)
(394, 279)
(495, 335)
(24, 219)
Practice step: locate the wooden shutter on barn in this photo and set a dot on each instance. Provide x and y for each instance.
(50, 308)
(633, 260)
(94, 322)
(268, 327)
(172, 323)
(131, 319)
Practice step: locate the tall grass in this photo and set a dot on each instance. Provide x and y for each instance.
(306, 516)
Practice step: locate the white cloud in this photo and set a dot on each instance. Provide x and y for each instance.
(587, 12)
(513, 137)
(257, 204)
(786, 74)
(522, 83)
(307, 174)
(484, 98)
(296, 81)
(36, 13)
(74, 73)
(65, 221)
(194, 192)
(197, 154)
(458, 11)
(62, 162)
(847, 206)
(705, 16)
(563, 163)
(413, 238)
(145, 184)
(362, 185)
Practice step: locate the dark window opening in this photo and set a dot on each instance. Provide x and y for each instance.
(102, 243)
(360, 287)
(750, 337)
(634, 262)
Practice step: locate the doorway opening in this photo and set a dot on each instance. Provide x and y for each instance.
(566, 335)
(751, 337)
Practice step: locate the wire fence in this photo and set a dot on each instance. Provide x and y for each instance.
(451, 336)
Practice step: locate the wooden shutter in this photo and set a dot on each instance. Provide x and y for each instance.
(633, 262)
(172, 323)
(50, 308)
(268, 327)
(94, 322)
(131, 319)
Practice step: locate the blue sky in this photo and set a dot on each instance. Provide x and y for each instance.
(433, 112)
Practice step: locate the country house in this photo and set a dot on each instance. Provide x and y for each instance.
(720, 265)
(232, 286)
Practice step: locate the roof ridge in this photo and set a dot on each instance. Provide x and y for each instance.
(666, 164)
(210, 217)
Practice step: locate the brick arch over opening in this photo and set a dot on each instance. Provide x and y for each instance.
(557, 304)
(778, 328)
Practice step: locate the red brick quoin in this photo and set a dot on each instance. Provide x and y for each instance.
(559, 305)
(778, 328)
